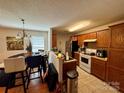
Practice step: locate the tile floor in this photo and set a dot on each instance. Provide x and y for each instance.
(88, 83)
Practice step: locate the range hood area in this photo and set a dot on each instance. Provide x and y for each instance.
(90, 40)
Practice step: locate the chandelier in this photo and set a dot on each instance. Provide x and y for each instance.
(26, 37)
(23, 34)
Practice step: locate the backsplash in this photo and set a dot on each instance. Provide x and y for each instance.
(91, 45)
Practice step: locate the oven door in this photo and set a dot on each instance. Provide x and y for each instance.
(85, 63)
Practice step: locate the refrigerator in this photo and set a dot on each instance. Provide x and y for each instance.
(74, 47)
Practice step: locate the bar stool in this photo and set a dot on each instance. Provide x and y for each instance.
(34, 62)
(15, 66)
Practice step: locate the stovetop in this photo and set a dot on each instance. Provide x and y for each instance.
(90, 54)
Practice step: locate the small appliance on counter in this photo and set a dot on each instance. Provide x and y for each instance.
(101, 53)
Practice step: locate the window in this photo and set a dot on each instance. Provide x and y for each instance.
(37, 43)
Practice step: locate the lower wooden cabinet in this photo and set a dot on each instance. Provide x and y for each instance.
(116, 78)
(67, 66)
(77, 56)
(98, 68)
(115, 68)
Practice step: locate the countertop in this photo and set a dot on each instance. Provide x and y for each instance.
(71, 60)
(103, 59)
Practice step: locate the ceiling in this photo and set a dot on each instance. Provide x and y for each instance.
(59, 14)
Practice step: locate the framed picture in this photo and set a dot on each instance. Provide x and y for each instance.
(14, 43)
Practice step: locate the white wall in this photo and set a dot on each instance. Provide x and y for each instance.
(4, 32)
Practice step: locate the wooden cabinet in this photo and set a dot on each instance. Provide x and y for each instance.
(117, 36)
(115, 66)
(98, 68)
(91, 35)
(83, 37)
(77, 56)
(67, 66)
(54, 39)
(116, 78)
(115, 69)
(80, 40)
(103, 38)
(116, 58)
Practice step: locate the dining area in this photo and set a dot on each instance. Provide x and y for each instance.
(20, 70)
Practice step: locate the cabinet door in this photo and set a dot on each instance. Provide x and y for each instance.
(116, 67)
(117, 36)
(116, 78)
(116, 58)
(76, 56)
(54, 40)
(91, 35)
(80, 40)
(103, 38)
(98, 68)
(67, 66)
(83, 37)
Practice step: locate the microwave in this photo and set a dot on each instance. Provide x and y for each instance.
(101, 53)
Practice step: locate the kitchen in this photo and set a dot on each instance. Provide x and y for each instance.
(94, 27)
(101, 53)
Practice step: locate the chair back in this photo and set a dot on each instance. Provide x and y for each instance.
(33, 61)
(14, 65)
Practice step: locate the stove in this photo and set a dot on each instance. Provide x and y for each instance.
(85, 59)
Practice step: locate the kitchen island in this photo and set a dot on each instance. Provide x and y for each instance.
(62, 66)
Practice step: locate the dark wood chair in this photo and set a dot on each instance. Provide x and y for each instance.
(7, 80)
(38, 64)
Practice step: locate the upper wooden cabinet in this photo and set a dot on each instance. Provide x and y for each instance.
(83, 37)
(80, 40)
(54, 39)
(117, 40)
(103, 38)
(91, 36)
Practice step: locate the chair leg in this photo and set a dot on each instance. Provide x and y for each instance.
(23, 82)
(8, 85)
(41, 78)
(29, 77)
(40, 70)
(6, 90)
